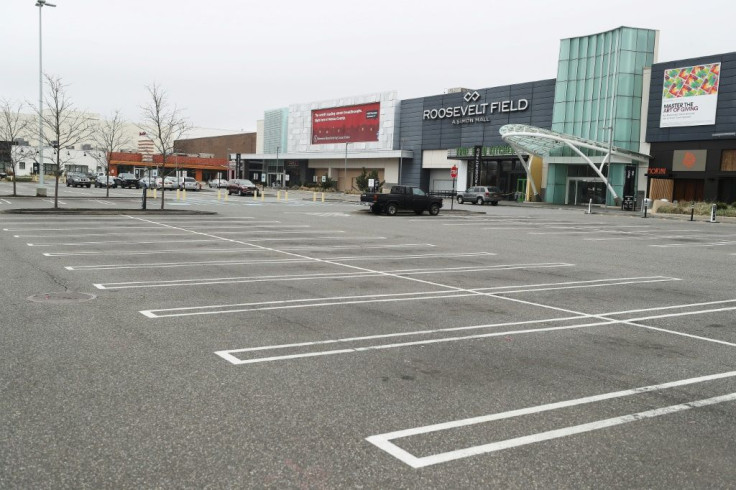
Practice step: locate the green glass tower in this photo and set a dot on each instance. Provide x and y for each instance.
(598, 96)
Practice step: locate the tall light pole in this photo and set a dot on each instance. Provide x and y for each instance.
(608, 169)
(401, 157)
(40, 4)
(346, 166)
(277, 160)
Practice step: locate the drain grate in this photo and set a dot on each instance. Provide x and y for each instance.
(62, 298)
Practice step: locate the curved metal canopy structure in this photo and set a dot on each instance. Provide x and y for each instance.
(542, 142)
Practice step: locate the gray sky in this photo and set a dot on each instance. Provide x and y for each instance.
(224, 61)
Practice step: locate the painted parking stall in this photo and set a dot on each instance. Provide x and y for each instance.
(427, 351)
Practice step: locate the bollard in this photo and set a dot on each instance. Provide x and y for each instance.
(219, 195)
(144, 199)
(178, 194)
(692, 210)
(227, 196)
(314, 197)
(263, 195)
(713, 211)
(323, 197)
(286, 195)
(278, 195)
(644, 208)
(590, 205)
(255, 194)
(154, 193)
(184, 194)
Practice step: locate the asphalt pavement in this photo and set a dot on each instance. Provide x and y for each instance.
(295, 343)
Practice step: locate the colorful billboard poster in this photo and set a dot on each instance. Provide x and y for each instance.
(346, 124)
(690, 96)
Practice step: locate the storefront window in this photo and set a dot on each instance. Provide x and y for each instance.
(728, 161)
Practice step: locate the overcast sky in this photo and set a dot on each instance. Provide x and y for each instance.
(225, 61)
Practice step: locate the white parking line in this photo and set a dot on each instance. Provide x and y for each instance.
(319, 248)
(5, 201)
(689, 245)
(603, 321)
(319, 275)
(451, 292)
(269, 261)
(383, 441)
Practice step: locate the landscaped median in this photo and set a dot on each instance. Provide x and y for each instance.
(698, 208)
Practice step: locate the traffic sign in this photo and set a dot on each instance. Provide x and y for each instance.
(453, 172)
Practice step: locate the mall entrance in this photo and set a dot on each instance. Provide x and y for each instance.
(502, 172)
(580, 191)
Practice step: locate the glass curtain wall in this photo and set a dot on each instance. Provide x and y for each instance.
(599, 86)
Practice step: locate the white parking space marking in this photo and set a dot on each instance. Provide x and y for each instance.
(229, 356)
(5, 201)
(181, 234)
(108, 203)
(320, 275)
(318, 248)
(369, 258)
(450, 292)
(689, 245)
(603, 320)
(383, 441)
(51, 201)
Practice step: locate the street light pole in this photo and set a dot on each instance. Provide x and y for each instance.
(401, 157)
(346, 166)
(277, 159)
(40, 4)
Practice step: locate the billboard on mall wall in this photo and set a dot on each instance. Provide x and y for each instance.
(347, 124)
(690, 96)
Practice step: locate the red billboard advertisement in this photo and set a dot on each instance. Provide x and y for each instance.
(346, 124)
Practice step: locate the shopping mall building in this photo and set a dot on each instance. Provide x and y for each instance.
(614, 124)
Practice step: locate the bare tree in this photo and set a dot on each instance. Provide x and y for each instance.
(64, 126)
(162, 123)
(12, 127)
(109, 136)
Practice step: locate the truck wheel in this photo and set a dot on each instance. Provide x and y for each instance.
(460, 199)
(494, 203)
(391, 209)
(434, 209)
(479, 201)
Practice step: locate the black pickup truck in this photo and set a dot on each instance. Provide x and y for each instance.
(402, 197)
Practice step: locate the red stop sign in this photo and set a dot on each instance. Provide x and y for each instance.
(453, 171)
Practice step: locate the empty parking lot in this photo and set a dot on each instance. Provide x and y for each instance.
(315, 345)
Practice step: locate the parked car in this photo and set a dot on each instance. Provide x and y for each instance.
(402, 197)
(127, 180)
(74, 179)
(480, 195)
(169, 183)
(217, 183)
(105, 181)
(241, 187)
(151, 182)
(189, 184)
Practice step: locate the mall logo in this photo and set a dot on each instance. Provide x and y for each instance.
(472, 111)
(471, 96)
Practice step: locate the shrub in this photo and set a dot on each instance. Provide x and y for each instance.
(721, 205)
(329, 184)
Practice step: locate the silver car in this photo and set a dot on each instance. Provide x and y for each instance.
(480, 195)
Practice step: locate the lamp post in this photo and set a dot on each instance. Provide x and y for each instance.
(401, 157)
(346, 166)
(608, 169)
(277, 159)
(40, 4)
